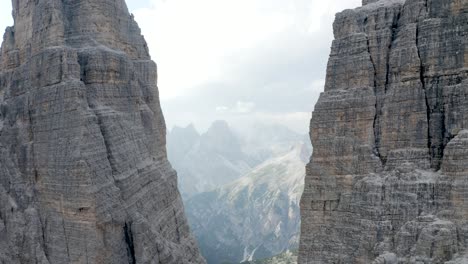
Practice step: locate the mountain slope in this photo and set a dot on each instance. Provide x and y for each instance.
(224, 154)
(256, 216)
(288, 257)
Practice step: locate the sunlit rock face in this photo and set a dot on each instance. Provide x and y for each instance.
(84, 176)
(388, 179)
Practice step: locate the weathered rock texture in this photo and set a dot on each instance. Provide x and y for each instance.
(388, 179)
(84, 176)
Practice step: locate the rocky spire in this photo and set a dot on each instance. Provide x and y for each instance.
(84, 176)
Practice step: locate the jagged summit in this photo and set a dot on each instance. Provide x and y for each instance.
(84, 176)
(219, 127)
(188, 133)
(208, 160)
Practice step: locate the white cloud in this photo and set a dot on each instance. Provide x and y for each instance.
(271, 53)
(194, 41)
(294, 120)
(243, 107)
(5, 15)
(190, 40)
(222, 109)
(239, 108)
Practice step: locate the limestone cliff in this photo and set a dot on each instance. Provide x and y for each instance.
(84, 176)
(388, 179)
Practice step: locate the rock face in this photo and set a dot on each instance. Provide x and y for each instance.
(388, 179)
(84, 176)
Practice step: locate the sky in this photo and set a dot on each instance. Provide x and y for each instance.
(243, 61)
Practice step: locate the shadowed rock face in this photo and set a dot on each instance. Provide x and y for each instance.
(84, 176)
(388, 180)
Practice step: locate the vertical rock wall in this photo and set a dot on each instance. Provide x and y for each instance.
(388, 179)
(84, 176)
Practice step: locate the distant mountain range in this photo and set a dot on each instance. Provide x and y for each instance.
(255, 217)
(222, 154)
(205, 162)
(241, 188)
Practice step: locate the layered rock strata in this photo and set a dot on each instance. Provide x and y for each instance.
(84, 176)
(388, 179)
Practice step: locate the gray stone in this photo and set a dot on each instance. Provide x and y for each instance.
(389, 175)
(84, 176)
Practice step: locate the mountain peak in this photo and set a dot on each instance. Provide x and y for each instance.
(189, 130)
(219, 126)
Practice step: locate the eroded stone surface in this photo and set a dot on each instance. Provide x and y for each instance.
(388, 178)
(84, 176)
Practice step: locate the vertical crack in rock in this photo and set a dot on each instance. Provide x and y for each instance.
(106, 141)
(129, 242)
(67, 245)
(34, 169)
(375, 125)
(437, 133)
(44, 238)
(380, 96)
(392, 39)
(430, 147)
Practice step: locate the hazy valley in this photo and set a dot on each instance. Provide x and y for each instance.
(251, 214)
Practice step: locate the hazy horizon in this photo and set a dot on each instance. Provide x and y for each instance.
(243, 61)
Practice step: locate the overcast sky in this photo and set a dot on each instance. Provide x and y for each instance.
(239, 60)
